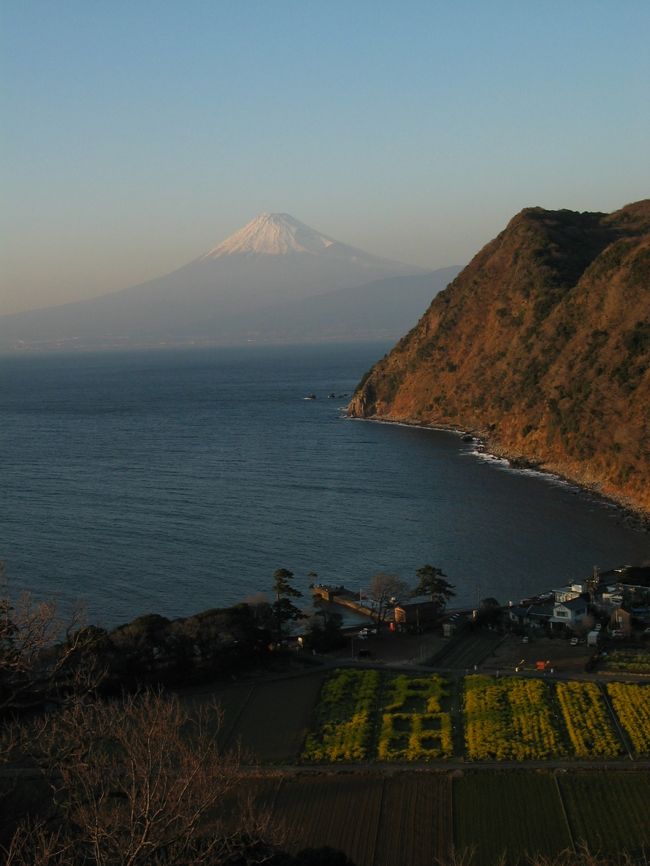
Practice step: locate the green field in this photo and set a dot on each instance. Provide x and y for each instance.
(268, 720)
(633, 661)
(403, 820)
(609, 811)
(274, 721)
(342, 812)
(512, 813)
(416, 820)
(420, 819)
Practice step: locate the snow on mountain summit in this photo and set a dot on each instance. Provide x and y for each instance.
(273, 234)
(230, 294)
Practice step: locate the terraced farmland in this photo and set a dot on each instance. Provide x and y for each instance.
(510, 719)
(342, 812)
(587, 720)
(510, 814)
(404, 820)
(365, 714)
(416, 820)
(631, 704)
(609, 811)
(274, 721)
(396, 817)
(269, 720)
(419, 819)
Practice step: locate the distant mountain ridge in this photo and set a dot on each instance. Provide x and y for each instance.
(273, 260)
(380, 310)
(542, 343)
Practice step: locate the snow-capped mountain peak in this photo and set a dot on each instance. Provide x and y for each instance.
(272, 234)
(238, 291)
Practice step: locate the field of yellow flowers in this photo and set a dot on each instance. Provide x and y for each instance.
(363, 714)
(366, 714)
(347, 703)
(509, 719)
(413, 724)
(587, 720)
(632, 706)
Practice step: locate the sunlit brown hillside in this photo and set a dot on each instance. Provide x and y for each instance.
(542, 343)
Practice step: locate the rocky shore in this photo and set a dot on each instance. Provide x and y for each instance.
(486, 444)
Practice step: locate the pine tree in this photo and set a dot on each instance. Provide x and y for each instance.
(284, 609)
(432, 582)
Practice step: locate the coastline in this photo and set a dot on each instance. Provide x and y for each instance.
(493, 452)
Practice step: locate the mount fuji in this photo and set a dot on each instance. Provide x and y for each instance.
(274, 280)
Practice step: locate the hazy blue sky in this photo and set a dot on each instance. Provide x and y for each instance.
(138, 134)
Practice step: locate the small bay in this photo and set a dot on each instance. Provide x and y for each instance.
(172, 481)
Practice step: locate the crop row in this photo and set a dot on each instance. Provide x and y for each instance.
(509, 719)
(502, 816)
(373, 715)
(415, 737)
(587, 721)
(518, 719)
(348, 701)
(631, 661)
(632, 706)
(362, 714)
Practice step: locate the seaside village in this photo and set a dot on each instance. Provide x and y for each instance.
(567, 628)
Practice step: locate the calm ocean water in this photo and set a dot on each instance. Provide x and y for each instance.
(173, 481)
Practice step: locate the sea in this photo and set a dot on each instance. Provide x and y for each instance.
(175, 480)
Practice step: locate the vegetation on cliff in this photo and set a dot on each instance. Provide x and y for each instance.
(542, 344)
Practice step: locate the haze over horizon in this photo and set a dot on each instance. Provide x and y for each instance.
(134, 142)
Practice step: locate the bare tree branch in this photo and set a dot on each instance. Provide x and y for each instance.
(44, 657)
(142, 780)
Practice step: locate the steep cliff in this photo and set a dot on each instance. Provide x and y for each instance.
(542, 344)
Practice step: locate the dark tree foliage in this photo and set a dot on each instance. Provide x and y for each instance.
(324, 631)
(282, 586)
(432, 581)
(284, 610)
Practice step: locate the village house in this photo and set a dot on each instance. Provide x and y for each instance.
(568, 607)
(569, 613)
(567, 593)
(610, 598)
(529, 615)
(620, 622)
(413, 616)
